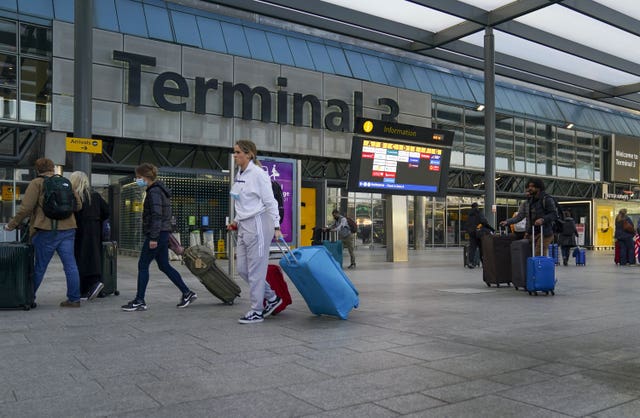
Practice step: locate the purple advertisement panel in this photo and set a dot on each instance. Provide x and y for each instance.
(282, 172)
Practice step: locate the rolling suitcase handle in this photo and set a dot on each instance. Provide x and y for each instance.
(533, 241)
(286, 251)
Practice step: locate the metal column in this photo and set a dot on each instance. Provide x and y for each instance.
(489, 126)
(83, 75)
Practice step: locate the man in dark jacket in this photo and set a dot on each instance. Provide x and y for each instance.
(477, 225)
(542, 214)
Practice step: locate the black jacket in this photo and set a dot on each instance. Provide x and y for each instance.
(156, 215)
(475, 218)
(543, 206)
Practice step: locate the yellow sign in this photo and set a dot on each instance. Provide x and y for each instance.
(367, 126)
(7, 193)
(90, 145)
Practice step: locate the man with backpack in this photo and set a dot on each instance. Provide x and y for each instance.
(341, 224)
(543, 213)
(49, 202)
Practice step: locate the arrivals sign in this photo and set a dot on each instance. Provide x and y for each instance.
(90, 145)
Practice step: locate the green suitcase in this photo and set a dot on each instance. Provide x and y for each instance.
(16, 275)
(110, 268)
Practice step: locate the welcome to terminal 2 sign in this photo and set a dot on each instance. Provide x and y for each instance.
(393, 158)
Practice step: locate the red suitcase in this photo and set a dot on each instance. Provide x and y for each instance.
(277, 283)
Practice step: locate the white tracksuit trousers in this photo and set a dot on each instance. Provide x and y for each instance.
(252, 257)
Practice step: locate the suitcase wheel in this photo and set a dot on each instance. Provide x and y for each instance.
(117, 293)
(515, 287)
(229, 303)
(546, 293)
(497, 284)
(488, 284)
(26, 307)
(553, 293)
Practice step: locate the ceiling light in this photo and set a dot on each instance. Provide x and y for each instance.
(569, 125)
(480, 108)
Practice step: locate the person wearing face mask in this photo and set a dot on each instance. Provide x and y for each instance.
(156, 227)
(257, 221)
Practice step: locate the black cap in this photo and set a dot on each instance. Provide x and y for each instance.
(474, 205)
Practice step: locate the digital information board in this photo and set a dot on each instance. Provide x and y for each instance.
(415, 166)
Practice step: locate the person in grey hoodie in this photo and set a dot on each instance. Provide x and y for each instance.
(156, 227)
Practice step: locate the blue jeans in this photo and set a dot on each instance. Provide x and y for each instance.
(161, 255)
(45, 244)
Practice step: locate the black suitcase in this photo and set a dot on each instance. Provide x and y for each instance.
(109, 268)
(496, 259)
(16, 275)
(520, 251)
(475, 261)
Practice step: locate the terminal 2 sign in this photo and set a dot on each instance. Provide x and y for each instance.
(173, 84)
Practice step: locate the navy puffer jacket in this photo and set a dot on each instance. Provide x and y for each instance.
(156, 215)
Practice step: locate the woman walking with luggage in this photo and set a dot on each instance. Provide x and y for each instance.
(257, 220)
(156, 227)
(88, 243)
(624, 233)
(567, 237)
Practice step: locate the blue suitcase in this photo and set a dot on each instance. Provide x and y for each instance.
(554, 253)
(320, 280)
(541, 271)
(335, 248)
(580, 255)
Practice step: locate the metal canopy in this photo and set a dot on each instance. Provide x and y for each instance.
(581, 47)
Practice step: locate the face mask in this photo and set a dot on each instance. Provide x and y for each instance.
(141, 182)
(235, 196)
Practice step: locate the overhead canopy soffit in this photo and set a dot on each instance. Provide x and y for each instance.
(586, 48)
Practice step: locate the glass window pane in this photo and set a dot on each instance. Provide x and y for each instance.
(474, 158)
(130, 16)
(530, 149)
(519, 144)
(9, 5)
(357, 65)
(504, 143)
(35, 90)
(375, 69)
(235, 39)
(8, 36)
(452, 86)
(104, 15)
(300, 52)
(584, 138)
(280, 49)
(422, 77)
(339, 61)
(392, 73)
(503, 162)
(408, 79)
(565, 135)
(42, 8)
(8, 100)
(258, 44)
(63, 10)
(474, 118)
(186, 29)
(158, 23)
(477, 88)
(7, 140)
(8, 70)
(320, 57)
(474, 138)
(211, 34)
(35, 40)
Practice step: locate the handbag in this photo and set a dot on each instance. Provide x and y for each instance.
(628, 227)
(175, 246)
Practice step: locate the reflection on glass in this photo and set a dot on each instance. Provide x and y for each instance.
(35, 94)
(35, 40)
(8, 103)
(8, 39)
(7, 140)
(7, 70)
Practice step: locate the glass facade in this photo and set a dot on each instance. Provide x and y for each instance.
(25, 72)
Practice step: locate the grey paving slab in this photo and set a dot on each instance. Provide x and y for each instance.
(410, 348)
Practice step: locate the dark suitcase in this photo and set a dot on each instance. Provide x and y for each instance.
(16, 275)
(279, 285)
(320, 280)
(475, 261)
(616, 254)
(496, 259)
(201, 262)
(520, 250)
(541, 271)
(109, 264)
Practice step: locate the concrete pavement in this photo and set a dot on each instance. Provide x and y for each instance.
(429, 339)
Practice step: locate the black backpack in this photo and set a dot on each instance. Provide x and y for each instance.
(558, 224)
(277, 193)
(59, 201)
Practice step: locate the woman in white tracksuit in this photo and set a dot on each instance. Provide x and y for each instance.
(257, 220)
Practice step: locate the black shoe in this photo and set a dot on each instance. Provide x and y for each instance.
(271, 306)
(471, 266)
(352, 266)
(134, 305)
(186, 299)
(97, 288)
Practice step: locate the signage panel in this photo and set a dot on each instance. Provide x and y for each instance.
(88, 145)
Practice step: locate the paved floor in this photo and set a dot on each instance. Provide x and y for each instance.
(429, 339)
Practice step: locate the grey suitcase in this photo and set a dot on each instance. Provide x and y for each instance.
(200, 261)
